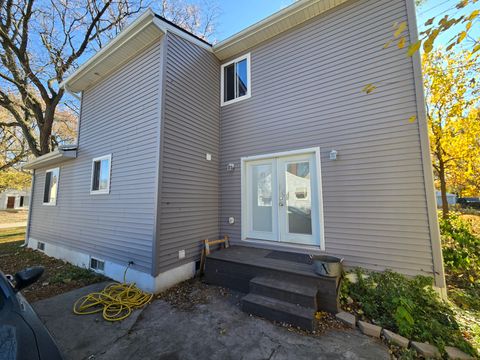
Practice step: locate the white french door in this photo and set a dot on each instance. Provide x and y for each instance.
(282, 198)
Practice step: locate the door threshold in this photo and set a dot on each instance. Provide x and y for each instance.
(289, 247)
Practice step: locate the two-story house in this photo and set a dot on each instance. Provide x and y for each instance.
(266, 136)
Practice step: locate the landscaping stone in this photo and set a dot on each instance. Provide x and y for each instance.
(395, 338)
(427, 350)
(369, 329)
(347, 318)
(454, 353)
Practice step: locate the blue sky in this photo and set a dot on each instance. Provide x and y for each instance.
(237, 15)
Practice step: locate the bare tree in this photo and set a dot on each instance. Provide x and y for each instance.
(42, 41)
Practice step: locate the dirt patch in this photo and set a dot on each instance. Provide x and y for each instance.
(13, 216)
(59, 276)
(186, 295)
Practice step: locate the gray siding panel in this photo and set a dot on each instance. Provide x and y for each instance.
(121, 116)
(306, 92)
(189, 199)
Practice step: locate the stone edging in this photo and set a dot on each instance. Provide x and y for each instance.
(425, 349)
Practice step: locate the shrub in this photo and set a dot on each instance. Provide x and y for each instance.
(461, 254)
(461, 248)
(408, 306)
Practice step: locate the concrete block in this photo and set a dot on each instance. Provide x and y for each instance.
(454, 353)
(369, 329)
(395, 338)
(427, 350)
(347, 318)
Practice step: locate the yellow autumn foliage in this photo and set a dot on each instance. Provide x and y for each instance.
(453, 114)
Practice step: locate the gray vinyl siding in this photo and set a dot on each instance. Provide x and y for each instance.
(189, 199)
(306, 92)
(120, 116)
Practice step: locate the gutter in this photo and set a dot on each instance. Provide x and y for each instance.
(30, 209)
(63, 153)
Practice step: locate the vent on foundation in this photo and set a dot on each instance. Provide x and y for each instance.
(41, 246)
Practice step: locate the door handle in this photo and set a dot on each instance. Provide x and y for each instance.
(282, 199)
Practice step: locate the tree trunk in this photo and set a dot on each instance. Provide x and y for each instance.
(46, 130)
(443, 188)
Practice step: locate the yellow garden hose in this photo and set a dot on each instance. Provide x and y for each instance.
(116, 301)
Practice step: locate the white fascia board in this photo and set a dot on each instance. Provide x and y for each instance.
(130, 31)
(51, 158)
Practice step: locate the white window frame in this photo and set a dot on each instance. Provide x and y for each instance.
(245, 193)
(249, 81)
(51, 203)
(98, 261)
(101, 191)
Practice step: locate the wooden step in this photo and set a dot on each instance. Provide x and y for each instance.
(281, 288)
(281, 311)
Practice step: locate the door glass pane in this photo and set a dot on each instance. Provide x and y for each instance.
(299, 198)
(262, 198)
(242, 81)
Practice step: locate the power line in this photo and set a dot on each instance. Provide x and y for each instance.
(433, 7)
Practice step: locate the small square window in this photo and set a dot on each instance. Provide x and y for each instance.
(96, 264)
(51, 187)
(236, 80)
(101, 167)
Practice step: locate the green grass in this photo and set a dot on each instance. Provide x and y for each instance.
(12, 234)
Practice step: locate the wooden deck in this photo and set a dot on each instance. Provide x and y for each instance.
(234, 267)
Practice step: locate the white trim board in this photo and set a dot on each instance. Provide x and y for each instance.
(101, 191)
(249, 80)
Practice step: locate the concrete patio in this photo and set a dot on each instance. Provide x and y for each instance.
(213, 329)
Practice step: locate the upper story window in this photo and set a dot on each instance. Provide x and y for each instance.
(236, 84)
(51, 187)
(101, 175)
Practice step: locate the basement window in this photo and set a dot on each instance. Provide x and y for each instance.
(40, 246)
(101, 175)
(97, 265)
(51, 187)
(236, 84)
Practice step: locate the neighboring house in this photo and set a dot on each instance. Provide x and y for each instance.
(180, 141)
(451, 198)
(12, 199)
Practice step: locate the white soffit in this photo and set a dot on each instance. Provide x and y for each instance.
(137, 36)
(273, 25)
(52, 158)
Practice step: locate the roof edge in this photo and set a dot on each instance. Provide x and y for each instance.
(52, 158)
(282, 20)
(144, 19)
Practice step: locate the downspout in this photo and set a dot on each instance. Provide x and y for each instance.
(30, 209)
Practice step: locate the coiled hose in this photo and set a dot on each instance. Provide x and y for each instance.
(116, 301)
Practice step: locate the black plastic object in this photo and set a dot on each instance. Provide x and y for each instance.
(27, 277)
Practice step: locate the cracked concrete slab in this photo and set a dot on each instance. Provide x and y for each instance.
(80, 336)
(216, 329)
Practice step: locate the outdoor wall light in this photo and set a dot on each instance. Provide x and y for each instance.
(231, 167)
(333, 155)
